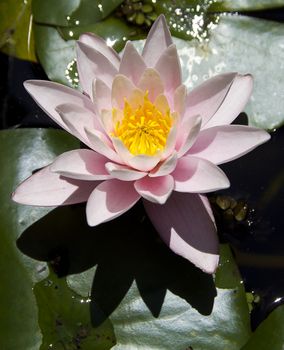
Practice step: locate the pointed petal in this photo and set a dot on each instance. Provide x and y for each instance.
(151, 82)
(155, 189)
(92, 65)
(101, 95)
(179, 99)
(158, 39)
(132, 64)
(234, 102)
(77, 119)
(122, 88)
(107, 120)
(109, 200)
(190, 128)
(185, 226)
(198, 175)
(100, 144)
(222, 144)
(166, 167)
(124, 173)
(97, 43)
(169, 69)
(206, 98)
(49, 95)
(140, 162)
(171, 141)
(48, 189)
(82, 164)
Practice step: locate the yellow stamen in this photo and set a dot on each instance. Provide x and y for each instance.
(144, 129)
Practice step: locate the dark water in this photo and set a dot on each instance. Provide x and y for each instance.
(257, 179)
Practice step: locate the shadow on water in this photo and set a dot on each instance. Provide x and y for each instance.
(124, 249)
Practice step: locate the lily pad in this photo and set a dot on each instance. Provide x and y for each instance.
(247, 5)
(22, 152)
(245, 45)
(270, 333)
(16, 29)
(64, 318)
(179, 326)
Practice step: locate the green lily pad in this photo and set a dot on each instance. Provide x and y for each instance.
(16, 29)
(246, 5)
(64, 318)
(56, 55)
(22, 152)
(53, 12)
(244, 45)
(179, 326)
(270, 333)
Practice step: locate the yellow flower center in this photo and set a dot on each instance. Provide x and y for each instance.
(144, 129)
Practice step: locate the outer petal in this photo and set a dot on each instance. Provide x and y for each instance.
(124, 173)
(99, 143)
(155, 189)
(132, 64)
(100, 45)
(179, 99)
(109, 200)
(159, 38)
(206, 98)
(77, 119)
(185, 226)
(151, 82)
(82, 164)
(91, 65)
(142, 162)
(46, 188)
(169, 69)
(101, 95)
(166, 167)
(189, 130)
(49, 95)
(235, 101)
(222, 144)
(197, 175)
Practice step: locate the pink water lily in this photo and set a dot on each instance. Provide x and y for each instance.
(147, 138)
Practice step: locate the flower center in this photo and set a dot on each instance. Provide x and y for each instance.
(144, 129)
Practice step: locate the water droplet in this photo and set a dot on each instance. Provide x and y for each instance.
(72, 74)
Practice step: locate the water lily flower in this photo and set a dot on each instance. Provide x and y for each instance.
(146, 137)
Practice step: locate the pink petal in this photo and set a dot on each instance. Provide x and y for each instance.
(107, 120)
(151, 82)
(82, 164)
(166, 167)
(198, 175)
(222, 144)
(206, 98)
(97, 43)
(122, 88)
(49, 95)
(132, 64)
(101, 95)
(91, 65)
(179, 99)
(171, 141)
(46, 188)
(158, 39)
(185, 226)
(155, 189)
(77, 119)
(140, 162)
(100, 144)
(234, 102)
(109, 200)
(189, 130)
(124, 173)
(169, 69)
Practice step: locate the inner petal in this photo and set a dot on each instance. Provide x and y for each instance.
(143, 128)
